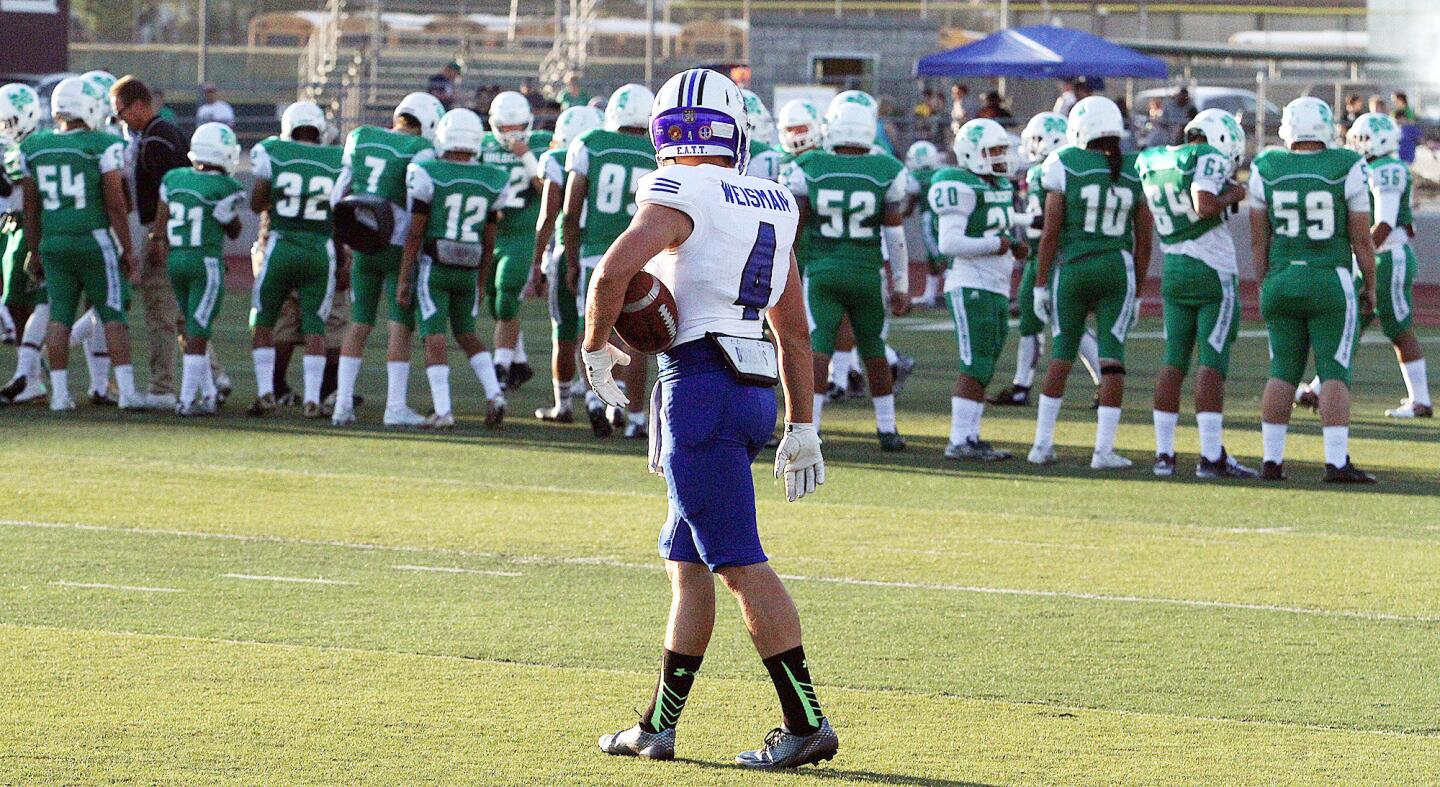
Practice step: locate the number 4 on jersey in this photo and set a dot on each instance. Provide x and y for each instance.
(759, 268)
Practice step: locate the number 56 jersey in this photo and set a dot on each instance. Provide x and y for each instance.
(736, 262)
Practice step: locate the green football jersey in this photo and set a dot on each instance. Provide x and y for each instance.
(522, 208)
(929, 229)
(1305, 200)
(377, 159)
(1389, 173)
(301, 178)
(200, 204)
(1099, 212)
(1034, 205)
(614, 164)
(994, 202)
(10, 160)
(1167, 174)
(847, 196)
(461, 196)
(67, 167)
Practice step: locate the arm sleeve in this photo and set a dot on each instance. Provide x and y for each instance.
(1257, 189)
(1357, 187)
(21, 165)
(229, 208)
(1052, 174)
(578, 158)
(419, 189)
(260, 163)
(912, 185)
(1211, 172)
(951, 219)
(899, 256)
(899, 191)
(794, 179)
(112, 159)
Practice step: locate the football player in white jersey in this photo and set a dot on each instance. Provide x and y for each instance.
(721, 241)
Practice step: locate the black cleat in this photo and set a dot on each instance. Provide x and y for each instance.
(1349, 474)
(1224, 467)
(13, 389)
(599, 421)
(890, 441)
(1273, 471)
(502, 373)
(1014, 396)
(520, 374)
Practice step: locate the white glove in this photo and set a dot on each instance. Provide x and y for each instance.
(798, 459)
(1040, 303)
(1135, 316)
(599, 365)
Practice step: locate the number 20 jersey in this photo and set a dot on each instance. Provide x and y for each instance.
(736, 262)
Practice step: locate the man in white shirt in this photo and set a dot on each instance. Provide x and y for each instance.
(212, 109)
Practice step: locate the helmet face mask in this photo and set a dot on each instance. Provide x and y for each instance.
(460, 131)
(19, 112)
(510, 117)
(799, 126)
(629, 107)
(302, 114)
(700, 112)
(215, 144)
(1373, 135)
(1307, 119)
(425, 109)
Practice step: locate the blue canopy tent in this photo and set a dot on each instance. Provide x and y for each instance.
(1040, 52)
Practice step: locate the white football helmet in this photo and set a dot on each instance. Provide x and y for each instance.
(460, 130)
(629, 107)
(1222, 132)
(853, 97)
(850, 125)
(215, 144)
(799, 126)
(576, 121)
(1043, 135)
(699, 112)
(511, 109)
(425, 108)
(1093, 118)
(302, 114)
(1307, 119)
(1373, 134)
(19, 112)
(77, 98)
(922, 155)
(762, 125)
(103, 79)
(974, 146)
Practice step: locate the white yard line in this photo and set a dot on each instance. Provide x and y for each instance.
(456, 570)
(298, 580)
(105, 586)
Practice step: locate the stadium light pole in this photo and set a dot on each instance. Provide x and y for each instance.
(650, 44)
(202, 48)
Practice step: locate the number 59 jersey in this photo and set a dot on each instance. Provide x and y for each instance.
(736, 262)
(301, 178)
(1308, 196)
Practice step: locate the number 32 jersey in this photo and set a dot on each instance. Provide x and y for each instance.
(301, 176)
(736, 262)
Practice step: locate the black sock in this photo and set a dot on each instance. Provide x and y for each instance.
(677, 675)
(798, 702)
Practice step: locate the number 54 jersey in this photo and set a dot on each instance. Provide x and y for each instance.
(736, 262)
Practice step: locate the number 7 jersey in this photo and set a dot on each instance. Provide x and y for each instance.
(301, 176)
(736, 262)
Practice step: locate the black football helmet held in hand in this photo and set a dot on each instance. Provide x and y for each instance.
(364, 222)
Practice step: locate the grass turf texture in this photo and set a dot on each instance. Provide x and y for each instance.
(492, 601)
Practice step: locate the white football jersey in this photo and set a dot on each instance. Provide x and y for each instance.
(736, 262)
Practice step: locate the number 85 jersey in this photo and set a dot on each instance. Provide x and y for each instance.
(736, 262)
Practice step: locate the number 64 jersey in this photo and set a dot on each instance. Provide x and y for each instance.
(736, 262)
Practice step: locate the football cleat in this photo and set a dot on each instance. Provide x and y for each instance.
(495, 412)
(106, 399)
(440, 422)
(343, 416)
(1306, 397)
(1224, 467)
(1014, 396)
(402, 417)
(288, 398)
(1041, 455)
(502, 373)
(312, 410)
(161, 402)
(1409, 409)
(200, 407)
(634, 431)
(222, 387)
(975, 450)
(901, 372)
(836, 394)
(599, 421)
(61, 402)
(855, 384)
(520, 373)
(1273, 471)
(1109, 460)
(785, 749)
(890, 441)
(138, 403)
(636, 742)
(555, 414)
(1164, 465)
(263, 406)
(1349, 474)
(23, 389)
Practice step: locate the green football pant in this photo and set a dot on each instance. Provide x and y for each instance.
(88, 265)
(19, 289)
(373, 280)
(1102, 284)
(1307, 307)
(199, 283)
(564, 313)
(982, 319)
(505, 288)
(447, 296)
(299, 263)
(1202, 308)
(1394, 290)
(832, 295)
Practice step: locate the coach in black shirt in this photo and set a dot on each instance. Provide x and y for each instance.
(156, 147)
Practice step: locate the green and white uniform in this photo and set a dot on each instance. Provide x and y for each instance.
(515, 236)
(973, 215)
(374, 162)
(1095, 272)
(1201, 279)
(1030, 324)
(612, 164)
(564, 314)
(299, 250)
(1308, 297)
(19, 290)
(802, 235)
(765, 161)
(201, 204)
(844, 273)
(79, 251)
(455, 199)
(1395, 259)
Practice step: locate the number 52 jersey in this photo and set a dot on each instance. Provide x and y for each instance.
(736, 262)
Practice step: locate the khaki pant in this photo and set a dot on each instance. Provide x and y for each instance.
(162, 314)
(287, 326)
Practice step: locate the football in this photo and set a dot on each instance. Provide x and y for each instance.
(648, 320)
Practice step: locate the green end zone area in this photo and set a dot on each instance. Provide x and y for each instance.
(236, 601)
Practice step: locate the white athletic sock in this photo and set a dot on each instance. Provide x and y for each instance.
(1090, 355)
(856, 362)
(960, 418)
(484, 365)
(34, 337)
(1025, 356)
(891, 357)
(397, 379)
(314, 366)
(1337, 445)
(99, 366)
(439, 375)
(345, 379)
(818, 407)
(1047, 413)
(1107, 420)
(27, 363)
(264, 361)
(975, 420)
(884, 412)
(520, 355)
(1164, 431)
(207, 381)
(504, 357)
(1415, 381)
(1272, 438)
(839, 369)
(59, 383)
(1212, 427)
(192, 372)
(7, 320)
(932, 287)
(562, 395)
(636, 419)
(125, 381)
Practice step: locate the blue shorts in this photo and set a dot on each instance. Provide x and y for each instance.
(712, 428)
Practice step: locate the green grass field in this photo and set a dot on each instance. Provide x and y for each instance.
(480, 606)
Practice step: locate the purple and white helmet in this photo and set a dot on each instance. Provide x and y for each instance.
(700, 112)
